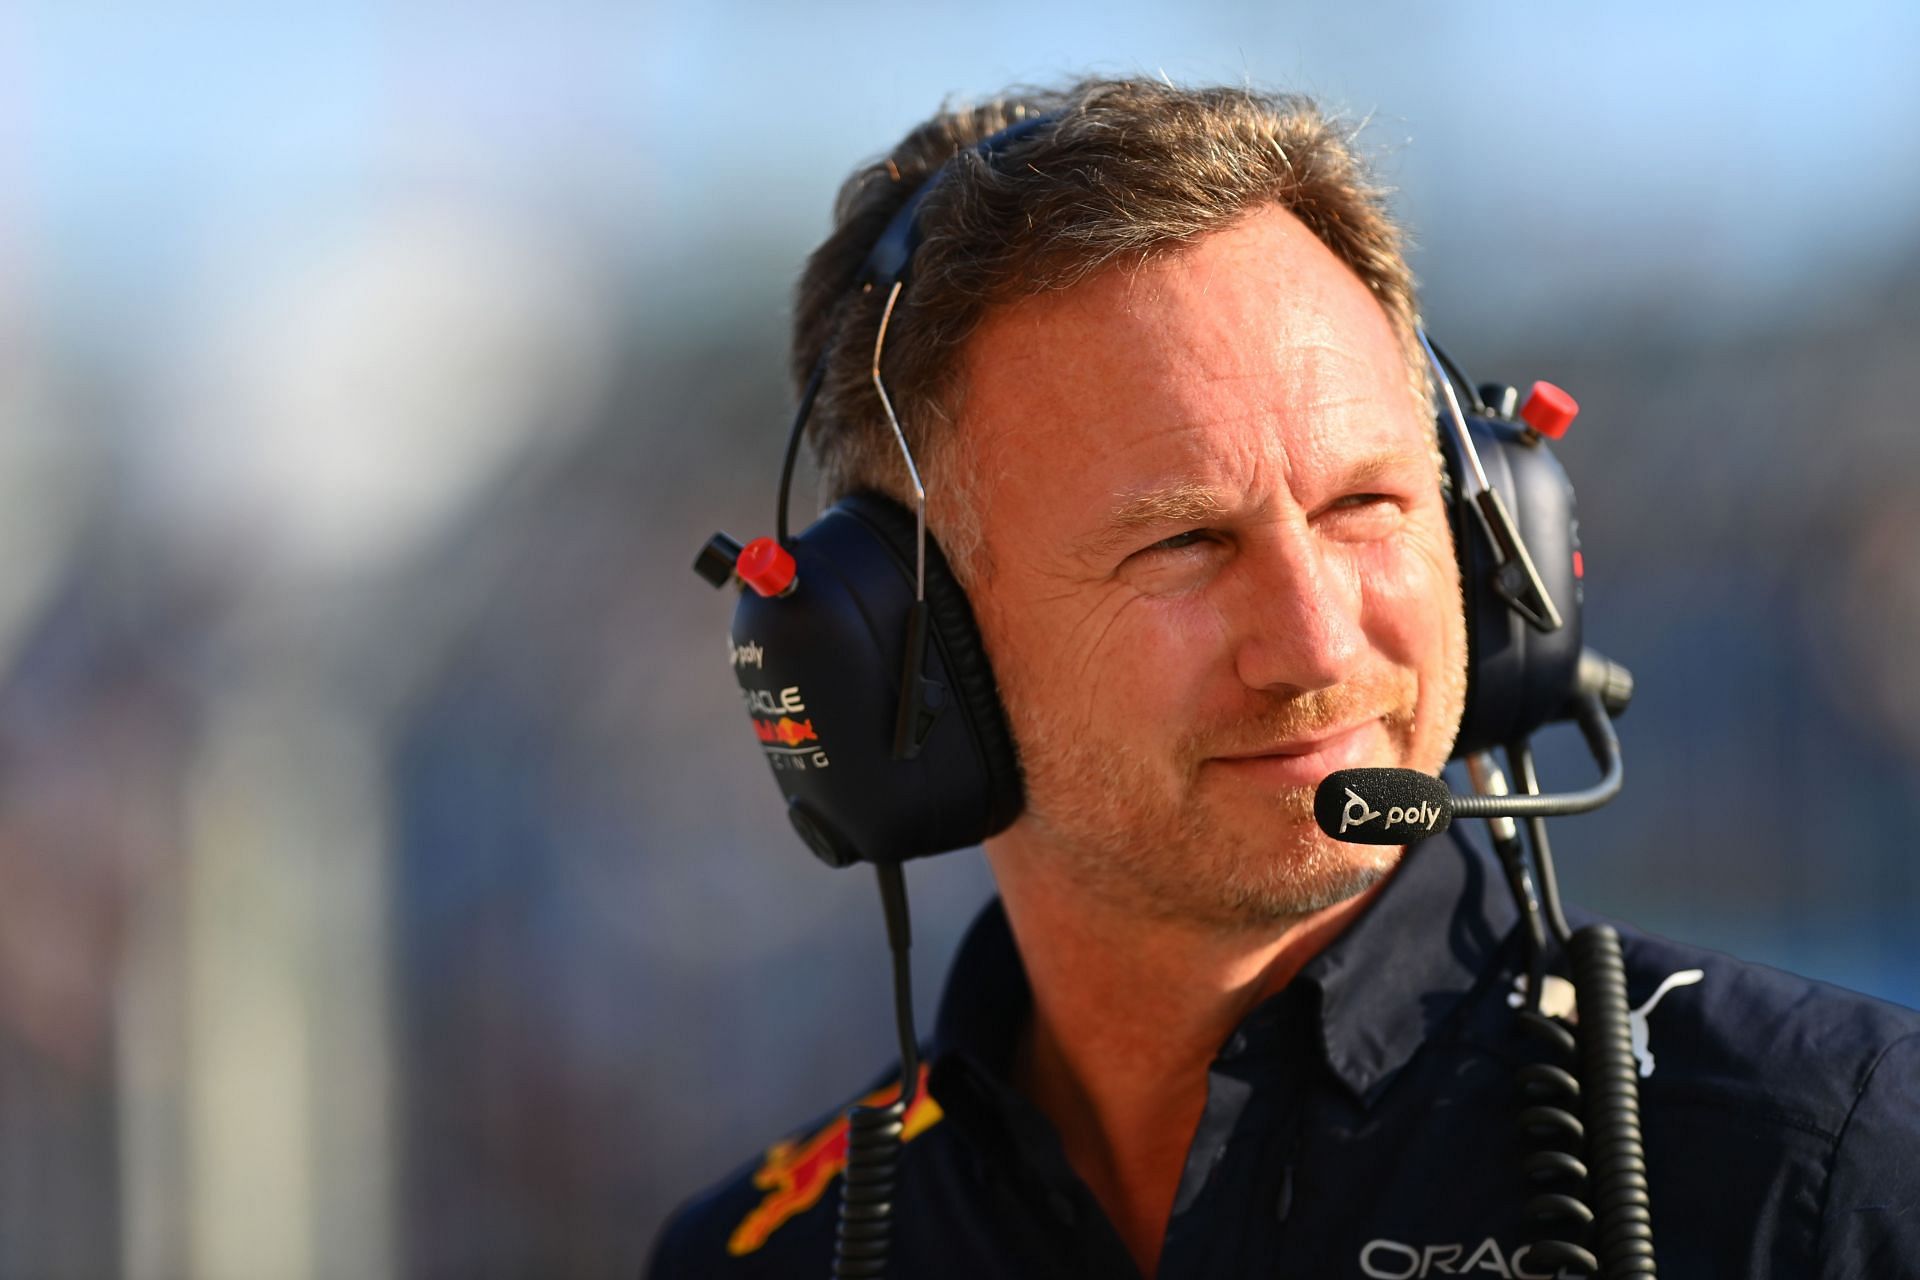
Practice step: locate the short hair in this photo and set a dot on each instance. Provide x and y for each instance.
(1122, 171)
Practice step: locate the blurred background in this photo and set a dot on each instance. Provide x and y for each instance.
(389, 883)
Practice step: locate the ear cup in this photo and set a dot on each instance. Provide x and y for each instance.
(821, 677)
(1518, 677)
(956, 633)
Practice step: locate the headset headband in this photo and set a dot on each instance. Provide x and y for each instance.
(891, 257)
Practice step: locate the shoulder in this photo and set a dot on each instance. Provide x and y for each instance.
(1708, 1023)
(1780, 1111)
(774, 1215)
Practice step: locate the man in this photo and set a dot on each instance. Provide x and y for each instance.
(1159, 363)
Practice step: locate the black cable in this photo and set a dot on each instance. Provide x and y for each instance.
(875, 1135)
(893, 902)
(1549, 1097)
(794, 435)
(1605, 744)
(1550, 1094)
(1520, 883)
(1608, 1190)
(1623, 1219)
(865, 1229)
(1520, 758)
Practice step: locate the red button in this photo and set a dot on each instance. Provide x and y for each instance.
(1579, 565)
(1549, 410)
(765, 566)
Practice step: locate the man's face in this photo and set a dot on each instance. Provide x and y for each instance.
(1215, 567)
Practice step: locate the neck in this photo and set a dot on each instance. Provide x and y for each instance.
(1129, 1010)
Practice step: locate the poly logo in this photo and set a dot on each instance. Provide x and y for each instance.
(1348, 818)
(1358, 813)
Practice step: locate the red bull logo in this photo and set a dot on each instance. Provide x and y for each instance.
(786, 730)
(797, 1173)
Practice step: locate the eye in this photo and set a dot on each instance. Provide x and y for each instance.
(1180, 541)
(1175, 565)
(1362, 517)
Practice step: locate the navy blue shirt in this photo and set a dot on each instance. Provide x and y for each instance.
(1362, 1122)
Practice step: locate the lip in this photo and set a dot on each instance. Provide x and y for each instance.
(1303, 762)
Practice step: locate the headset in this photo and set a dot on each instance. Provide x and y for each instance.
(873, 698)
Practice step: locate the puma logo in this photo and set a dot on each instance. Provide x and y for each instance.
(1637, 1018)
(1556, 1000)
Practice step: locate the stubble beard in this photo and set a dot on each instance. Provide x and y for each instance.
(1158, 839)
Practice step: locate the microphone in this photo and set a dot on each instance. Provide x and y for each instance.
(1382, 806)
(1397, 806)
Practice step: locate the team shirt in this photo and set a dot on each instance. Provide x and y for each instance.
(1363, 1122)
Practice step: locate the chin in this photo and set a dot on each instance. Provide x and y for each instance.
(1323, 873)
(1250, 870)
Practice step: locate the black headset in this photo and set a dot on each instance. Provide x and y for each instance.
(871, 693)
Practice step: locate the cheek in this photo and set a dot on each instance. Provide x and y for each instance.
(1101, 656)
(1411, 592)
(1171, 650)
(1040, 656)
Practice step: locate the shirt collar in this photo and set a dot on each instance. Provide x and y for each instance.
(987, 998)
(1385, 985)
(1394, 977)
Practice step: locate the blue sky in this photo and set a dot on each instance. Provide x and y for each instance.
(1545, 149)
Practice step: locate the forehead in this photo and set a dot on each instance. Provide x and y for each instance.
(1254, 351)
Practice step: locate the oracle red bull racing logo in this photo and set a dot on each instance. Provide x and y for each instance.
(797, 1173)
(785, 730)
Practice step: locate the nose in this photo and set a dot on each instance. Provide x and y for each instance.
(1299, 626)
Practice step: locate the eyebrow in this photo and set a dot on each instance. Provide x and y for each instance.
(1374, 466)
(1189, 502)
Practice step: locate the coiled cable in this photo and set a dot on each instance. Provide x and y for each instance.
(1598, 1166)
(863, 1235)
(1623, 1233)
(1550, 1103)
